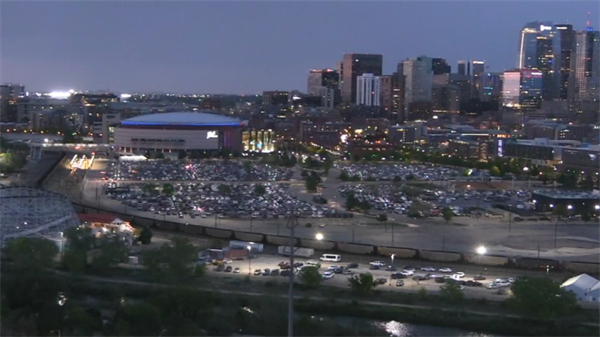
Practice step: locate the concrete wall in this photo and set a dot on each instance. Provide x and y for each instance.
(486, 260)
(279, 240)
(356, 249)
(439, 256)
(583, 267)
(89, 210)
(249, 237)
(316, 244)
(167, 226)
(78, 208)
(192, 229)
(400, 252)
(142, 222)
(218, 233)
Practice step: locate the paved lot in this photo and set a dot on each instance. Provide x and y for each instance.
(574, 242)
(262, 261)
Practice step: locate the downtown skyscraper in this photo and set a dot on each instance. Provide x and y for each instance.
(355, 65)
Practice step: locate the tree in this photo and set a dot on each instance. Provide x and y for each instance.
(362, 284)
(344, 176)
(224, 189)
(451, 292)
(422, 293)
(495, 171)
(138, 319)
(146, 235)
(149, 188)
(311, 182)
(310, 278)
(168, 189)
(327, 165)
(352, 202)
(560, 210)
(80, 241)
(397, 179)
(159, 155)
(172, 263)
(542, 297)
(259, 189)
(447, 214)
(111, 251)
(33, 254)
(586, 217)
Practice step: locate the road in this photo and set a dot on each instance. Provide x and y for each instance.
(574, 242)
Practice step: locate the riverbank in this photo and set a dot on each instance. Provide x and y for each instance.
(443, 316)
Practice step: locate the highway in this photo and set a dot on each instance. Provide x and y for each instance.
(574, 242)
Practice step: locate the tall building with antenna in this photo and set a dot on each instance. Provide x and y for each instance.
(586, 65)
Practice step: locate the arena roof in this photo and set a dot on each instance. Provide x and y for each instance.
(183, 118)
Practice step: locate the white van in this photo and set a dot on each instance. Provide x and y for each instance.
(331, 257)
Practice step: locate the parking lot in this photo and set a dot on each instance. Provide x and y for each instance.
(257, 265)
(387, 172)
(218, 170)
(191, 200)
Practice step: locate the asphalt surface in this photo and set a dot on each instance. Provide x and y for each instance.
(573, 242)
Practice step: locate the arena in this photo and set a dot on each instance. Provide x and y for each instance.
(33, 212)
(178, 131)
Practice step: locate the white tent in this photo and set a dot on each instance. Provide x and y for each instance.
(585, 287)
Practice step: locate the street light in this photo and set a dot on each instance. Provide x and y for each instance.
(319, 236)
(481, 250)
(249, 260)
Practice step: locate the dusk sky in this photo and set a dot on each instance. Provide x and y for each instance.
(245, 48)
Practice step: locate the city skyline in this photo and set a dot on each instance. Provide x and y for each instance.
(66, 47)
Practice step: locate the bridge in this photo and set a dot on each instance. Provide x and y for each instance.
(36, 149)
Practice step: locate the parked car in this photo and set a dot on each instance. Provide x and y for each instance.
(381, 281)
(228, 269)
(478, 277)
(266, 272)
(236, 270)
(439, 280)
(377, 263)
(445, 270)
(399, 283)
(407, 273)
(275, 272)
(352, 265)
(373, 267)
(419, 278)
(410, 268)
(328, 275)
(428, 269)
(390, 268)
(257, 272)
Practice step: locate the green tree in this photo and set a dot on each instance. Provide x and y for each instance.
(327, 165)
(542, 297)
(159, 155)
(495, 171)
(224, 189)
(79, 322)
(168, 189)
(344, 176)
(172, 263)
(111, 251)
(352, 202)
(452, 292)
(447, 214)
(80, 241)
(422, 293)
(586, 217)
(259, 189)
(33, 254)
(311, 183)
(310, 278)
(146, 235)
(362, 284)
(138, 319)
(560, 210)
(149, 188)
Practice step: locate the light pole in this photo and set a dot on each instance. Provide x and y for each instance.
(555, 224)
(392, 256)
(249, 260)
(481, 250)
(526, 170)
(292, 224)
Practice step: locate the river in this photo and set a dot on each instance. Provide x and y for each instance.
(398, 329)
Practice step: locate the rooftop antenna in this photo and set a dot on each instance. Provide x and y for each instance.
(588, 19)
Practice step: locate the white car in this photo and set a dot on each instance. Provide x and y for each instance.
(428, 269)
(377, 263)
(458, 275)
(327, 275)
(407, 273)
(493, 285)
(332, 268)
(445, 270)
(227, 260)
